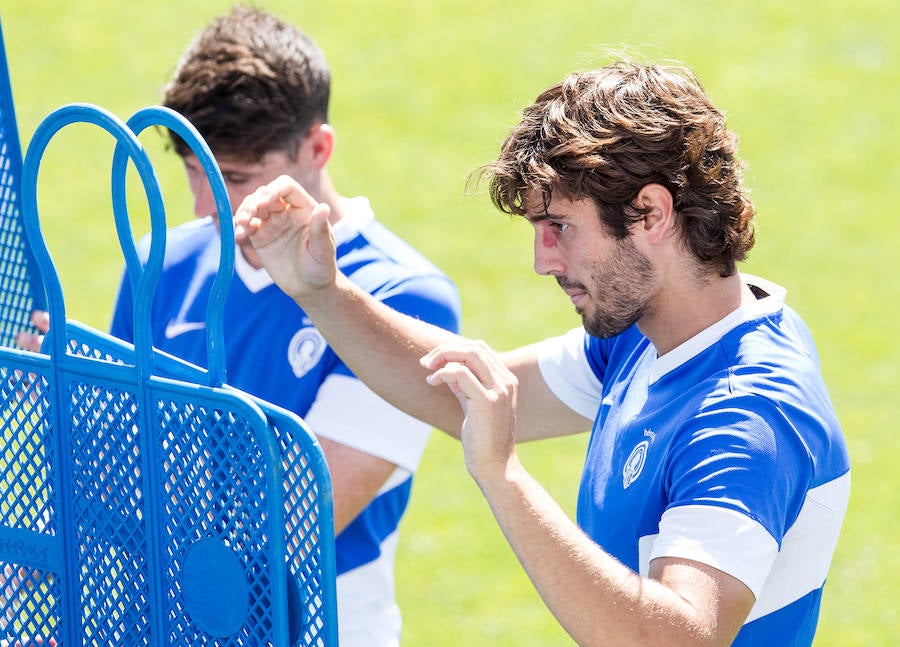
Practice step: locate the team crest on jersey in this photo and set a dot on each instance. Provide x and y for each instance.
(305, 350)
(635, 463)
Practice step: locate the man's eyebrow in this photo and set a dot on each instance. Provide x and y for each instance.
(545, 215)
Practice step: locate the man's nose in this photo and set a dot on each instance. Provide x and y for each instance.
(204, 203)
(547, 261)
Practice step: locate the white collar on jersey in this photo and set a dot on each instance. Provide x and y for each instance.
(772, 302)
(357, 212)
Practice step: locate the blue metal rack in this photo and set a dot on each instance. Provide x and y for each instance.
(18, 297)
(143, 501)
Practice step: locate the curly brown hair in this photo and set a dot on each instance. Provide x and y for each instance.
(607, 133)
(251, 84)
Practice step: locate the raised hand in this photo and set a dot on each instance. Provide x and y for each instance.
(487, 393)
(40, 319)
(291, 234)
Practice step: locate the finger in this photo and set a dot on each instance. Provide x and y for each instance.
(29, 341)
(242, 225)
(318, 219)
(321, 240)
(40, 319)
(464, 384)
(285, 192)
(277, 197)
(246, 216)
(457, 350)
(274, 197)
(476, 356)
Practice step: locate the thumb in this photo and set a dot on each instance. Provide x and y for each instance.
(321, 240)
(40, 319)
(319, 217)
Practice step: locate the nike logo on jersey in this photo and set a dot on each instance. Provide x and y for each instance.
(176, 328)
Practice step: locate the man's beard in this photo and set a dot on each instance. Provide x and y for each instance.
(618, 291)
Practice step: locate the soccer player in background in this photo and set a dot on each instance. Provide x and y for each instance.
(257, 89)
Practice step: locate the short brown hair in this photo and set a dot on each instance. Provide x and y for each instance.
(607, 133)
(250, 83)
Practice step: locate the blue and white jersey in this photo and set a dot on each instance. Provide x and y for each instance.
(726, 451)
(274, 352)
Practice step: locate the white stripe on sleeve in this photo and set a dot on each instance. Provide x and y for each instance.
(348, 412)
(564, 366)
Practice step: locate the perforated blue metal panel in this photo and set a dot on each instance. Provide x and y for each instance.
(16, 296)
(142, 500)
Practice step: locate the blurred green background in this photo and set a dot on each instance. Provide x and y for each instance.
(423, 93)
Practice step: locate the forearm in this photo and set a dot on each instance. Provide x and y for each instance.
(355, 480)
(596, 599)
(539, 413)
(383, 347)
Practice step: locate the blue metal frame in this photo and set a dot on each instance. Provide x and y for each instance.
(143, 501)
(18, 296)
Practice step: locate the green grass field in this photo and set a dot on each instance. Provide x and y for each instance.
(423, 93)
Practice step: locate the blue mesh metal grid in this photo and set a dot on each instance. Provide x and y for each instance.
(145, 502)
(16, 296)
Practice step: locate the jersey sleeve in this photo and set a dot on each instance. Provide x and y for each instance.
(370, 424)
(737, 482)
(565, 367)
(428, 298)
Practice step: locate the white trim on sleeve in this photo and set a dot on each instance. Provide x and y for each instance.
(807, 548)
(563, 364)
(348, 412)
(720, 537)
(734, 543)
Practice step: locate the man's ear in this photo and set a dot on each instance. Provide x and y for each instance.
(319, 145)
(656, 202)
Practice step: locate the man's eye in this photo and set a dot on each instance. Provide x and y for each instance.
(560, 227)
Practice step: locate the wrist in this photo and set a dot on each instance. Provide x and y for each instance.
(489, 475)
(320, 294)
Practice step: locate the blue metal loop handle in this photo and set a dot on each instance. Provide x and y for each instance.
(53, 123)
(215, 351)
(142, 276)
